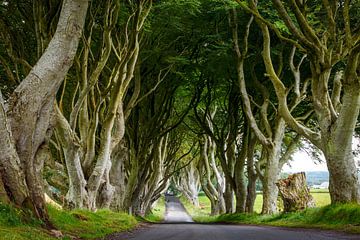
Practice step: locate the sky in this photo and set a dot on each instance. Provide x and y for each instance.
(303, 163)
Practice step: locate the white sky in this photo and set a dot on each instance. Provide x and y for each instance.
(303, 163)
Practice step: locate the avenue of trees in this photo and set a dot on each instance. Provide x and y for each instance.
(107, 103)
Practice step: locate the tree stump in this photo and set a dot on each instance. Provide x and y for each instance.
(295, 193)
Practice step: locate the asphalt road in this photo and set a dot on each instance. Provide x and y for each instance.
(175, 211)
(178, 226)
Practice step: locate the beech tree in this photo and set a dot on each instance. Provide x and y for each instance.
(25, 119)
(334, 40)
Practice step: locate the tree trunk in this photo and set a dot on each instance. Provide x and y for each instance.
(295, 193)
(252, 176)
(240, 190)
(3, 194)
(344, 183)
(272, 170)
(118, 175)
(31, 104)
(76, 196)
(229, 198)
(10, 168)
(270, 190)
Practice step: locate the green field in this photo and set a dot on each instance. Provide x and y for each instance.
(321, 197)
(335, 217)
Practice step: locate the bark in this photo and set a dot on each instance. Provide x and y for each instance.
(3, 194)
(156, 175)
(31, 104)
(77, 196)
(336, 127)
(10, 167)
(252, 177)
(272, 170)
(121, 79)
(344, 183)
(220, 179)
(215, 194)
(188, 184)
(240, 191)
(229, 188)
(295, 193)
(118, 175)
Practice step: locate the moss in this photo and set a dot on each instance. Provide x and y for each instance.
(89, 225)
(79, 223)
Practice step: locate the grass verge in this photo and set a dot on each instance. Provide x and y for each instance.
(78, 223)
(344, 217)
(158, 212)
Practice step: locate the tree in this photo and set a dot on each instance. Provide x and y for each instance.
(25, 122)
(328, 40)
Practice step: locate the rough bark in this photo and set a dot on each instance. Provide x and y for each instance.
(240, 190)
(252, 177)
(77, 196)
(10, 168)
(295, 193)
(31, 104)
(118, 175)
(214, 193)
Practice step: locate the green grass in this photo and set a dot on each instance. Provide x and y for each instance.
(202, 210)
(90, 225)
(345, 217)
(77, 223)
(15, 226)
(158, 212)
(337, 217)
(321, 197)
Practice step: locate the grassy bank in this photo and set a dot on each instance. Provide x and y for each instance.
(339, 217)
(334, 217)
(158, 211)
(321, 197)
(79, 223)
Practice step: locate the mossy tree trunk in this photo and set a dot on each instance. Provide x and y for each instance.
(295, 193)
(27, 120)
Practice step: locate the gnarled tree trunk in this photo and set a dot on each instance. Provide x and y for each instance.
(295, 193)
(31, 105)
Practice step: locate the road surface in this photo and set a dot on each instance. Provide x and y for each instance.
(178, 225)
(175, 211)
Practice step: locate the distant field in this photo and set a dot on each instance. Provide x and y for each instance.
(321, 196)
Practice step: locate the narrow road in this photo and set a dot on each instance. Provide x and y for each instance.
(178, 226)
(175, 211)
